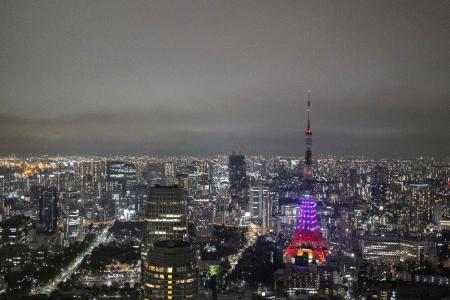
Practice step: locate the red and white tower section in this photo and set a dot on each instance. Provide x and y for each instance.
(307, 238)
(308, 173)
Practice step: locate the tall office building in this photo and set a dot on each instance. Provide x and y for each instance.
(155, 173)
(72, 224)
(166, 214)
(15, 230)
(421, 200)
(91, 174)
(260, 205)
(48, 209)
(172, 271)
(237, 176)
(35, 193)
(203, 173)
(121, 173)
(120, 177)
(137, 200)
(169, 174)
(93, 168)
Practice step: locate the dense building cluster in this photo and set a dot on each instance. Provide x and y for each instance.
(88, 225)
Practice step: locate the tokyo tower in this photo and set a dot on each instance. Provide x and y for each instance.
(307, 239)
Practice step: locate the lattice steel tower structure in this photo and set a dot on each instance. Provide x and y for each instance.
(307, 239)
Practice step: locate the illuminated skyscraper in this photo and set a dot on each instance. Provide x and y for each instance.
(91, 174)
(121, 175)
(166, 214)
(137, 198)
(72, 224)
(169, 173)
(172, 271)
(260, 205)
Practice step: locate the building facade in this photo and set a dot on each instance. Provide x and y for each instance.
(15, 230)
(166, 214)
(172, 271)
(48, 208)
(237, 175)
(391, 250)
(260, 206)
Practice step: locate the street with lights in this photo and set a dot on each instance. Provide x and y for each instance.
(66, 273)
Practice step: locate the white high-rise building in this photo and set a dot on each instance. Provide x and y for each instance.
(260, 205)
(73, 224)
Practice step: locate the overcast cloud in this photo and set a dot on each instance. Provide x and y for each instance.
(205, 77)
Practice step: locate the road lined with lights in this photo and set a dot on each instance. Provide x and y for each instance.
(53, 284)
(251, 237)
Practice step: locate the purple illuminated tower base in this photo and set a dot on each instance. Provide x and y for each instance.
(307, 238)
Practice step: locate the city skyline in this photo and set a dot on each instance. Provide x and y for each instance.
(204, 78)
(221, 150)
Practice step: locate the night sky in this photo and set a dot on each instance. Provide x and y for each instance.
(206, 77)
